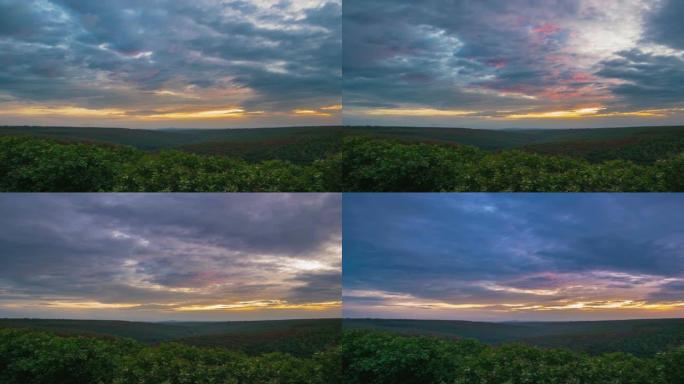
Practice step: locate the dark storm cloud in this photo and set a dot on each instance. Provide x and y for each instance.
(169, 249)
(665, 25)
(647, 80)
(96, 54)
(476, 248)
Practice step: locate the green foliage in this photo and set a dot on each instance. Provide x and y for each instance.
(671, 172)
(32, 357)
(672, 364)
(300, 338)
(645, 147)
(641, 145)
(37, 165)
(641, 338)
(37, 358)
(385, 165)
(385, 358)
(362, 164)
(299, 145)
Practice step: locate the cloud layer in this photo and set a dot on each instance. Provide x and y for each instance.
(524, 63)
(522, 256)
(170, 256)
(202, 63)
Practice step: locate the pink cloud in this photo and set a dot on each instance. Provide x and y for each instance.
(546, 29)
(497, 63)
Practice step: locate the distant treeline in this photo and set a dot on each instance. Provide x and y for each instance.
(37, 357)
(386, 358)
(642, 338)
(362, 164)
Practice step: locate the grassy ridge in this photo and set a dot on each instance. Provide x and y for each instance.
(637, 337)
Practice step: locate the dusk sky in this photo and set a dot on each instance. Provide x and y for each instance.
(170, 63)
(170, 256)
(500, 257)
(513, 63)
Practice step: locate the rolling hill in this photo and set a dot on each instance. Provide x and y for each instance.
(638, 337)
(643, 145)
(296, 144)
(306, 144)
(296, 337)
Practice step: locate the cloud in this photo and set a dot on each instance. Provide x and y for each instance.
(170, 56)
(169, 251)
(673, 291)
(511, 253)
(645, 79)
(665, 26)
(523, 58)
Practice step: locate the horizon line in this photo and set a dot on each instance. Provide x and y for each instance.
(343, 126)
(170, 321)
(512, 321)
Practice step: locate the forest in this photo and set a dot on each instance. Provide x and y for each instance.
(390, 165)
(268, 352)
(334, 159)
(642, 338)
(380, 357)
(30, 164)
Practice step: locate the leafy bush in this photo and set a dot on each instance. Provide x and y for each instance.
(384, 358)
(38, 165)
(32, 357)
(384, 165)
(364, 164)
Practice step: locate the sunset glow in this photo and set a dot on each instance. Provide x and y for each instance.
(499, 257)
(561, 64)
(416, 112)
(170, 257)
(184, 64)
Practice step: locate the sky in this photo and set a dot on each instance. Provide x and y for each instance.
(170, 63)
(157, 257)
(513, 63)
(506, 257)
